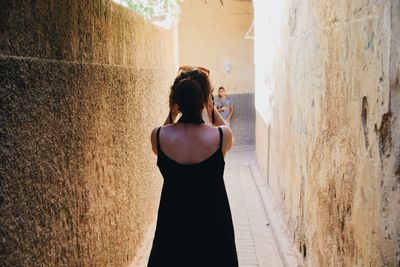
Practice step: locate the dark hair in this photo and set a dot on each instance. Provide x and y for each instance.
(190, 92)
(219, 89)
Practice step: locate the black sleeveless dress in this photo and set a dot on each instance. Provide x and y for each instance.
(194, 224)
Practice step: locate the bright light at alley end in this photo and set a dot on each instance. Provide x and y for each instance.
(267, 17)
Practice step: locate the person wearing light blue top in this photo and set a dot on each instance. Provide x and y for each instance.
(224, 106)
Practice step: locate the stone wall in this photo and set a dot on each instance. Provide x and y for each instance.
(212, 35)
(82, 83)
(327, 128)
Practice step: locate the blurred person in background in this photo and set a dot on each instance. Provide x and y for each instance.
(224, 105)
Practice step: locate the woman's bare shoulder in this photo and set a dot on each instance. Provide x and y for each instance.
(226, 130)
(153, 138)
(153, 141)
(228, 138)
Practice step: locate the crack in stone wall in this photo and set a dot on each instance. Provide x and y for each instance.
(333, 128)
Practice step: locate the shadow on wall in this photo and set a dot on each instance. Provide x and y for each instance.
(243, 119)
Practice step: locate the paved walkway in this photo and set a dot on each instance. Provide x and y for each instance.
(261, 238)
(254, 239)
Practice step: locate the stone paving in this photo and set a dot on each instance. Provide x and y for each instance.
(261, 238)
(254, 239)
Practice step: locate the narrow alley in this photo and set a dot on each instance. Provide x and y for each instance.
(310, 90)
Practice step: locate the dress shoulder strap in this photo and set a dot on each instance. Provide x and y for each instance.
(158, 140)
(221, 135)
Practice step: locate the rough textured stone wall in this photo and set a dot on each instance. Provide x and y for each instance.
(328, 131)
(82, 83)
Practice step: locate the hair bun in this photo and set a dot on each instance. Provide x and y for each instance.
(190, 92)
(188, 96)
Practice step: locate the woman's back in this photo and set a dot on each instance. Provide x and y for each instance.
(189, 143)
(194, 224)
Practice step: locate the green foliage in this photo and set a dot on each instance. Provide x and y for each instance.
(151, 9)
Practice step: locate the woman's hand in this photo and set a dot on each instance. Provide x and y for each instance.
(172, 114)
(174, 110)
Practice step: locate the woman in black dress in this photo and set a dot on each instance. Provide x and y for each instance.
(194, 224)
